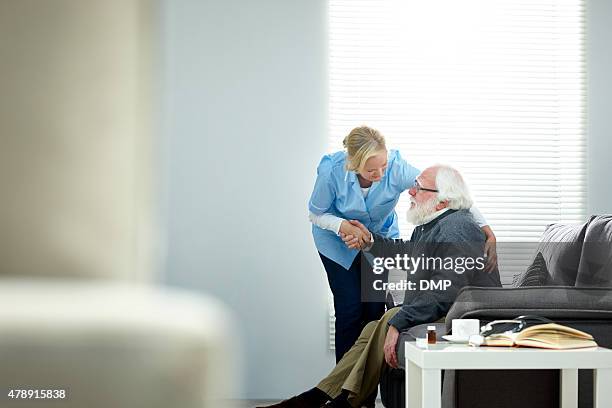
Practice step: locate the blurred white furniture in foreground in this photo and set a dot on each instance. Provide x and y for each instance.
(114, 345)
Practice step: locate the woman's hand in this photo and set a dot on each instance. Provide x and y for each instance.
(490, 249)
(354, 234)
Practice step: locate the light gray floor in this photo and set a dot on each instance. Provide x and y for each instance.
(263, 403)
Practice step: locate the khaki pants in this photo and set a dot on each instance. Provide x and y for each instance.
(359, 370)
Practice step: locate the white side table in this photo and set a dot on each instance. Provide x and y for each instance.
(424, 369)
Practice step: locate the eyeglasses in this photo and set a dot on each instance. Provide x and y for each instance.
(504, 326)
(418, 187)
(513, 326)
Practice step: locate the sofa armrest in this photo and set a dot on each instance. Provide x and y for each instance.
(553, 302)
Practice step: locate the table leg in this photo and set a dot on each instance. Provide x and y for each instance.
(602, 394)
(432, 388)
(413, 385)
(569, 388)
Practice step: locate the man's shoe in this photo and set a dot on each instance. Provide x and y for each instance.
(313, 398)
(294, 402)
(337, 403)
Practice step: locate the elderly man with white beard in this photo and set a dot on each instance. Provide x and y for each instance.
(445, 229)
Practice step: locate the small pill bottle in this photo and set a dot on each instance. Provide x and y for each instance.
(431, 334)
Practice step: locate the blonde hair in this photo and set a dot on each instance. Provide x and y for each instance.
(362, 143)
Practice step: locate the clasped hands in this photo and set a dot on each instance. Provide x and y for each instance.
(354, 234)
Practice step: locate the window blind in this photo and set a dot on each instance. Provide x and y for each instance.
(496, 88)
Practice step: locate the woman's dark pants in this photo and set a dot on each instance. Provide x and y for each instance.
(351, 313)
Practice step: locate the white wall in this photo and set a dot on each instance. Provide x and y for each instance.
(599, 67)
(245, 125)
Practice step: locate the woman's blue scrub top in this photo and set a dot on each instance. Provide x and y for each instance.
(337, 191)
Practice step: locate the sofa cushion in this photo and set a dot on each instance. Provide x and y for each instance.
(536, 275)
(561, 246)
(595, 267)
(553, 302)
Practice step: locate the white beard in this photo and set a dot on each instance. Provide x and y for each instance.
(422, 213)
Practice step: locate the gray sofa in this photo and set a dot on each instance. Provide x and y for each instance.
(574, 288)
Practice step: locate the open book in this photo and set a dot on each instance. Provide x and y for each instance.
(549, 336)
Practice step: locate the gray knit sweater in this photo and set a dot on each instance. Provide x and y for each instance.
(452, 235)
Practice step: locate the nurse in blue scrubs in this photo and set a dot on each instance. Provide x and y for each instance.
(363, 183)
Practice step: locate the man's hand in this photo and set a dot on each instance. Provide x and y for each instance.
(351, 241)
(354, 234)
(389, 347)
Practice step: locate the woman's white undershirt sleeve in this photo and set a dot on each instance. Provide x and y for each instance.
(326, 221)
(478, 217)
